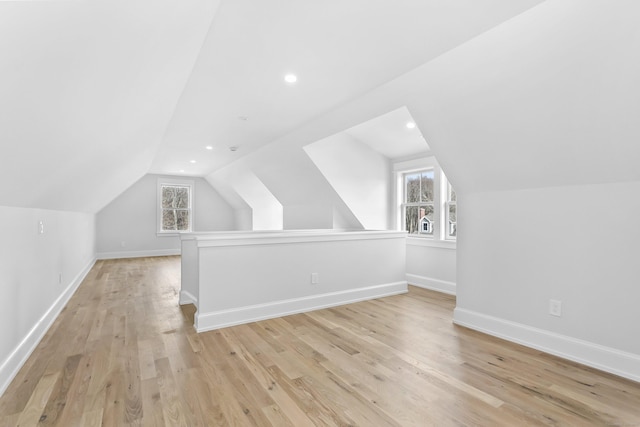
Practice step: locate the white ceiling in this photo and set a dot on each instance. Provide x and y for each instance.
(86, 91)
(389, 135)
(339, 50)
(96, 93)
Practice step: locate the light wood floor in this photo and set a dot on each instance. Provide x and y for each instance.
(124, 353)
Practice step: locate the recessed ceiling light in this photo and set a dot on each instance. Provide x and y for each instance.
(290, 78)
(192, 161)
(233, 148)
(411, 125)
(209, 147)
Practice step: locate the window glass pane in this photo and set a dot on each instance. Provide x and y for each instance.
(175, 205)
(452, 222)
(452, 194)
(182, 220)
(419, 219)
(168, 219)
(168, 196)
(412, 219)
(426, 219)
(181, 197)
(426, 186)
(412, 188)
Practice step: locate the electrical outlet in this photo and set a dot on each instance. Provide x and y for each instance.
(315, 278)
(555, 308)
(41, 227)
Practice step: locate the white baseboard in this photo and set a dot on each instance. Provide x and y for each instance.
(187, 298)
(432, 284)
(12, 364)
(606, 359)
(138, 254)
(221, 319)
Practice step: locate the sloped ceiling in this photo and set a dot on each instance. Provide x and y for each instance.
(94, 94)
(86, 91)
(338, 49)
(394, 135)
(549, 98)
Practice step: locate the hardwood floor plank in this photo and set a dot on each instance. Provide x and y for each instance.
(276, 417)
(151, 403)
(32, 412)
(146, 360)
(58, 398)
(92, 418)
(172, 405)
(247, 352)
(124, 353)
(75, 397)
(314, 404)
(199, 398)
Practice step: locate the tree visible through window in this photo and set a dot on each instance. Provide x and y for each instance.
(419, 202)
(176, 208)
(452, 217)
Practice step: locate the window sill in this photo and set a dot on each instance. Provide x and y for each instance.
(170, 234)
(432, 243)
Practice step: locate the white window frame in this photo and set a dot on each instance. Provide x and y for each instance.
(175, 182)
(447, 203)
(439, 236)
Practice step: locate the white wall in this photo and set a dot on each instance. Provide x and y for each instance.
(270, 273)
(431, 265)
(575, 244)
(267, 212)
(304, 217)
(132, 218)
(360, 176)
(38, 273)
(284, 172)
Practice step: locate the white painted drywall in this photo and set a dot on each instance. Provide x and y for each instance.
(304, 217)
(360, 176)
(266, 210)
(243, 277)
(38, 273)
(431, 265)
(132, 218)
(576, 244)
(286, 173)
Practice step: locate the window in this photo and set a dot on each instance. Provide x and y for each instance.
(451, 213)
(427, 203)
(418, 206)
(175, 201)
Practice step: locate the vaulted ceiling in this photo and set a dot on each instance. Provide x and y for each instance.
(94, 94)
(87, 89)
(236, 95)
(507, 93)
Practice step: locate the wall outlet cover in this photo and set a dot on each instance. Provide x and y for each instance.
(555, 308)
